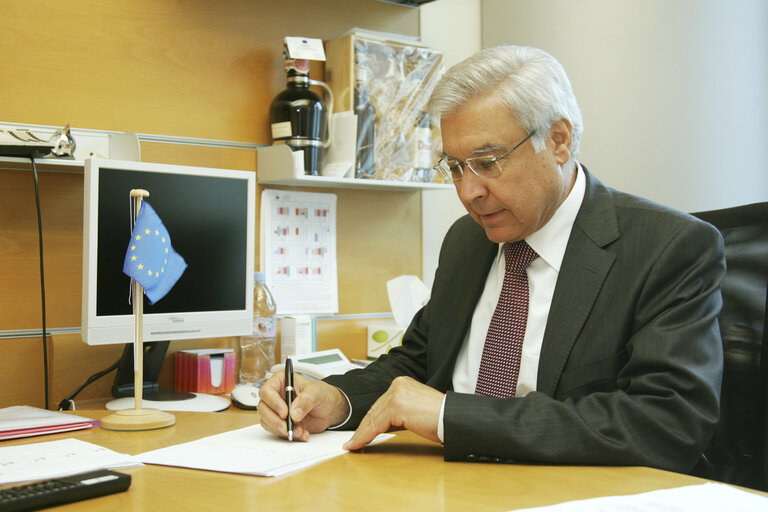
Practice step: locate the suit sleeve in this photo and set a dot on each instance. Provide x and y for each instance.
(657, 408)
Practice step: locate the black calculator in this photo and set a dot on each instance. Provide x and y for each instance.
(67, 489)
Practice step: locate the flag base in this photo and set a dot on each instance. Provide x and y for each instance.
(138, 419)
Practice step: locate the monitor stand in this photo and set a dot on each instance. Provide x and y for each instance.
(155, 397)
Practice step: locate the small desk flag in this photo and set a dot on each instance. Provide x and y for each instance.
(150, 259)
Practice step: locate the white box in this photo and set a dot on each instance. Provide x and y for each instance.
(382, 337)
(297, 336)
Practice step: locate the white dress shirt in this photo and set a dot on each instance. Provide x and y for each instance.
(549, 242)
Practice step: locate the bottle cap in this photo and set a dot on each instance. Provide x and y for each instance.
(362, 74)
(300, 66)
(259, 276)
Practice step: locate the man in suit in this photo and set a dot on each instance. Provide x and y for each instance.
(620, 359)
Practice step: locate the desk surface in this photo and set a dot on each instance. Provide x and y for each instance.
(404, 473)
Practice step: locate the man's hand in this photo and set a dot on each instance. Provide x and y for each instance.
(407, 404)
(316, 407)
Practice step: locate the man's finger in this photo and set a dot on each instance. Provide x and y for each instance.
(373, 424)
(270, 395)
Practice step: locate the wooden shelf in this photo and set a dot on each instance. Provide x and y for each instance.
(43, 164)
(275, 167)
(90, 143)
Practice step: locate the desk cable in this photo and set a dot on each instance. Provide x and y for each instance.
(69, 402)
(42, 278)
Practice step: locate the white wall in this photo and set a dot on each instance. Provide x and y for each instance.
(452, 26)
(674, 93)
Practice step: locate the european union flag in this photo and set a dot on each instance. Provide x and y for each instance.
(150, 259)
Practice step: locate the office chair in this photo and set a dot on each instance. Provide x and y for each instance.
(738, 452)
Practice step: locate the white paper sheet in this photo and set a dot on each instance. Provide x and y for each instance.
(38, 461)
(709, 497)
(251, 451)
(298, 251)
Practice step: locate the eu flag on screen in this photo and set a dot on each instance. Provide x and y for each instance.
(150, 259)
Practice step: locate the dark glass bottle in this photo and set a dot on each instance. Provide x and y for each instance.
(366, 129)
(298, 117)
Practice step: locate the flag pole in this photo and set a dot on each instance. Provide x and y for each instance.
(138, 418)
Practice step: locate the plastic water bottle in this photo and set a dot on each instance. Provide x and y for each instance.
(422, 148)
(257, 351)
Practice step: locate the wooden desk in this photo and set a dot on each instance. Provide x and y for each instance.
(404, 473)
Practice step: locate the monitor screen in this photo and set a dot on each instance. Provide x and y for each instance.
(210, 216)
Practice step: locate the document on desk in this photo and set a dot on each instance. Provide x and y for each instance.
(252, 451)
(709, 497)
(24, 421)
(39, 461)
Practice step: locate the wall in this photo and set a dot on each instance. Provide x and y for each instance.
(674, 94)
(188, 68)
(191, 68)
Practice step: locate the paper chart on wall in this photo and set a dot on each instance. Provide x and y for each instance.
(298, 250)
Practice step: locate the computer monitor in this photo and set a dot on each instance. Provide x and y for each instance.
(210, 215)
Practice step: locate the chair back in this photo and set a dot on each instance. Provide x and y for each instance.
(738, 453)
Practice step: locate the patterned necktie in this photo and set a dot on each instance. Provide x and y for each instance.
(500, 363)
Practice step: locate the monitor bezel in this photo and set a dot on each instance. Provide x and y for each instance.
(116, 329)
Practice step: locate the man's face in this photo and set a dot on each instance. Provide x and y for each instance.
(531, 186)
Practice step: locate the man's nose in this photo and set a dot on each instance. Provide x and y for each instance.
(471, 186)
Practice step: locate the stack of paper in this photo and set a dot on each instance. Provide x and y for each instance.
(709, 497)
(39, 461)
(24, 421)
(251, 451)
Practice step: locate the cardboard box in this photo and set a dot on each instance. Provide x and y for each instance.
(399, 78)
(382, 337)
(210, 371)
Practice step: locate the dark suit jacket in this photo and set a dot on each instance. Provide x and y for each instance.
(631, 360)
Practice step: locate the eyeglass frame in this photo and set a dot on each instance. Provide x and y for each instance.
(444, 170)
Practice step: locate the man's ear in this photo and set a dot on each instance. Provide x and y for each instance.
(560, 133)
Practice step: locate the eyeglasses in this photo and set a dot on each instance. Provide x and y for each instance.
(483, 166)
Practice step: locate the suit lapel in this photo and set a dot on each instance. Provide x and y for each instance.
(471, 257)
(583, 271)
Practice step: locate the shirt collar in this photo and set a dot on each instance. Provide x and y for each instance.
(550, 240)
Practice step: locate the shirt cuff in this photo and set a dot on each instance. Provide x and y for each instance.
(349, 405)
(440, 428)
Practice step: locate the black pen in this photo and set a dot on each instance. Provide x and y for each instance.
(289, 396)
